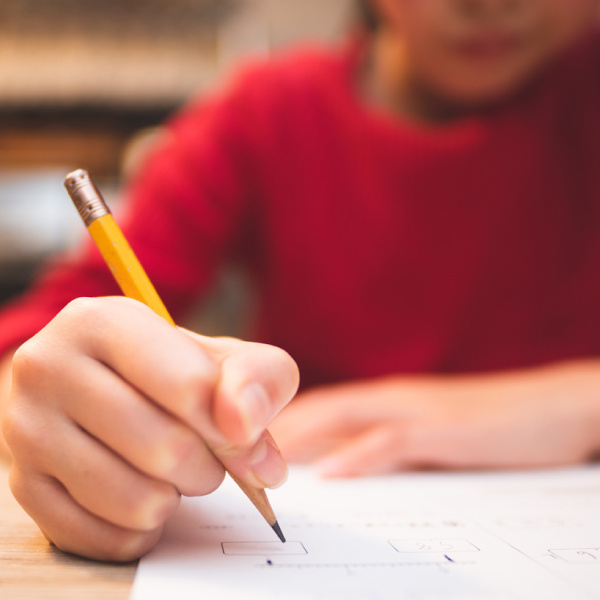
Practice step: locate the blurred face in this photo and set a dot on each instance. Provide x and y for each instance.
(473, 51)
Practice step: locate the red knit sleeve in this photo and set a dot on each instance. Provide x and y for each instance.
(181, 214)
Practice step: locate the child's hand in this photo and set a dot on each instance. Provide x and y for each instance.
(534, 418)
(114, 413)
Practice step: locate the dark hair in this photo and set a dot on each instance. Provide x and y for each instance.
(367, 14)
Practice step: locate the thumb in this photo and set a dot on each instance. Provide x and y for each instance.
(256, 382)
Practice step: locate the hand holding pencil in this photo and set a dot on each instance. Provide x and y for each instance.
(115, 413)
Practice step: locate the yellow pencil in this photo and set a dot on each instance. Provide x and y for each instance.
(134, 283)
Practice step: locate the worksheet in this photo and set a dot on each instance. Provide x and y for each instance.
(422, 536)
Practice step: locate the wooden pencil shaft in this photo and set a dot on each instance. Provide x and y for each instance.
(124, 265)
(258, 497)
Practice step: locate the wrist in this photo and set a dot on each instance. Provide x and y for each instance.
(583, 391)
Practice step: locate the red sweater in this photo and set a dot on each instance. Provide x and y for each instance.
(376, 246)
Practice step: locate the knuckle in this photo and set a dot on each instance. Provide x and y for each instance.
(80, 307)
(212, 478)
(152, 505)
(21, 433)
(97, 314)
(193, 387)
(192, 382)
(10, 431)
(112, 544)
(18, 484)
(180, 459)
(34, 364)
(183, 445)
(198, 375)
(176, 446)
(229, 450)
(29, 360)
(24, 485)
(126, 546)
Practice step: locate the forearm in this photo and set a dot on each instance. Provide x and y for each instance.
(538, 416)
(5, 386)
(571, 387)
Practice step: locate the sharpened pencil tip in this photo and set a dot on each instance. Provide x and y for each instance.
(277, 530)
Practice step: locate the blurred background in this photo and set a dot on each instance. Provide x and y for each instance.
(82, 81)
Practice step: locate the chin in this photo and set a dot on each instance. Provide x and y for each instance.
(483, 93)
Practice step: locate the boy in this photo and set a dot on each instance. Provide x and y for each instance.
(420, 214)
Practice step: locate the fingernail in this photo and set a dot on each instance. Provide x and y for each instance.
(268, 465)
(255, 409)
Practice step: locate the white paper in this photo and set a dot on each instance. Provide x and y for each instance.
(493, 536)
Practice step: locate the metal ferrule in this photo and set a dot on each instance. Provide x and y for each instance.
(86, 197)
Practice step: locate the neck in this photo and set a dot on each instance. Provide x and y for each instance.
(390, 83)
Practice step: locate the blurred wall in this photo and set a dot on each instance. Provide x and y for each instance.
(80, 78)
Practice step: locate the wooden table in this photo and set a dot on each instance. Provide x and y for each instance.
(31, 568)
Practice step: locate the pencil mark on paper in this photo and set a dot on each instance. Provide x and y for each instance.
(410, 546)
(375, 565)
(589, 555)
